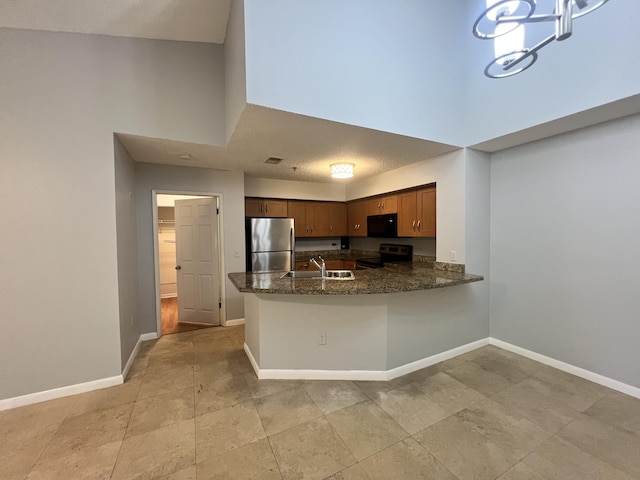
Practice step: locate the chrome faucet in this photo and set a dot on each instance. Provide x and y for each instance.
(322, 268)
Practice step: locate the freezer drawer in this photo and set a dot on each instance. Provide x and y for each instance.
(271, 261)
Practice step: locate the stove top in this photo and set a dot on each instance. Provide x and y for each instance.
(389, 253)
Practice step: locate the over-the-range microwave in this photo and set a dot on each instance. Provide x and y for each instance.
(382, 226)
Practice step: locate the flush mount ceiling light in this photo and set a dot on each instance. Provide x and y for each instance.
(184, 157)
(507, 19)
(342, 170)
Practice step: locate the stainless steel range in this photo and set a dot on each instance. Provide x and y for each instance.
(389, 253)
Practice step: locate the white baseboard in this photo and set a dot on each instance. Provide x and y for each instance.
(45, 395)
(566, 367)
(364, 375)
(132, 357)
(149, 336)
(234, 322)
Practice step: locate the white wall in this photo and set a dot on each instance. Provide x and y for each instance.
(235, 71)
(598, 64)
(565, 232)
(273, 188)
(230, 187)
(62, 97)
(126, 234)
(393, 66)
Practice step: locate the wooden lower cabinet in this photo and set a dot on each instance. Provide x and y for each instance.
(334, 264)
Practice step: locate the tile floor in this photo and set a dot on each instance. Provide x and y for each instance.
(193, 408)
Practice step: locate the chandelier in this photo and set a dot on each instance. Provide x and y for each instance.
(504, 17)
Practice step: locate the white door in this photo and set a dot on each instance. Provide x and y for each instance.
(197, 261)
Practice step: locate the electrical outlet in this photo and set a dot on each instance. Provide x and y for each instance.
(236, 253)
(452, 255)
(322, 339)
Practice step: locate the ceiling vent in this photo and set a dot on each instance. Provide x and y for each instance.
(273, 160)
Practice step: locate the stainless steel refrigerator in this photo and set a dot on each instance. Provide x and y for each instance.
(270, 244)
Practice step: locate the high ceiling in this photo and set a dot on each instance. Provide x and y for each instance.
(183, 20)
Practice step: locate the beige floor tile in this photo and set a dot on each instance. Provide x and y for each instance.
(373, 389)
(559, 460)
(211, 371)
(95, 464)
(478, 352)
(615, 446)
(448, 392)
(354, 472)
(575, 392)
(330, 396)
(365, 428)
(536, 401)
(165, 380)
(481, 380)
(36, 415)
(107, 397)
(157, 453)
(508, 365)
(411, 408)
(312, 450)
(405, 459)
(214, 347)
(88, 431)
(188, 473)
(226, 429)
(464, 451)
(514, 434)
(22, 448)
(161, 410)
(226, 392)
(286, 409)
(262, 388)
(521, 472)
(138, 368)
(618, 409)
(254, 461)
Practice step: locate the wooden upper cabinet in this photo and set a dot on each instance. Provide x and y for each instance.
(317, 219)
(417, 213)
(357, 218)
(383, 205)
(407, 213)
(264, 207)
(426, 212)
(338, 219)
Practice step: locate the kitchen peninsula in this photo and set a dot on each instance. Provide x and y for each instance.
(385, 323)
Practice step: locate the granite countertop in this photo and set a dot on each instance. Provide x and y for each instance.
(393, 278)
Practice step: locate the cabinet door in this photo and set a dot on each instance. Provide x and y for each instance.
(334, 264)
(275, 208)
(426, 212)
(357, 217)
(298, 211)
(348, 264)
(253, 207)
(407, 214)
(318, 219)
(338, 219)
(382, 205)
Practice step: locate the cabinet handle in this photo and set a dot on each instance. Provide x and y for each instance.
(261, 207)
(383, 205)
(413, 225)
(331, 228)
(266, 208)
(418, 224)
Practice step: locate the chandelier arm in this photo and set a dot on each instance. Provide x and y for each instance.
(530, 52)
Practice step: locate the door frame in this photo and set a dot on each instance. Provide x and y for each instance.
(156, 250)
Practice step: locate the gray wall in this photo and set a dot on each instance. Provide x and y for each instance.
(126, 235)
(62, 98)
(229, 186)
(565, 231)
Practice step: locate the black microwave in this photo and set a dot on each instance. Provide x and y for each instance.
(382, 226)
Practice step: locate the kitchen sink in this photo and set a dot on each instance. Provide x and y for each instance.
(331, 274)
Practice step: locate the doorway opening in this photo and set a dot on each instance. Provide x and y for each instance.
(188, 262)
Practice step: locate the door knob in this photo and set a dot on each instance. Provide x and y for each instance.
(179, 267)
